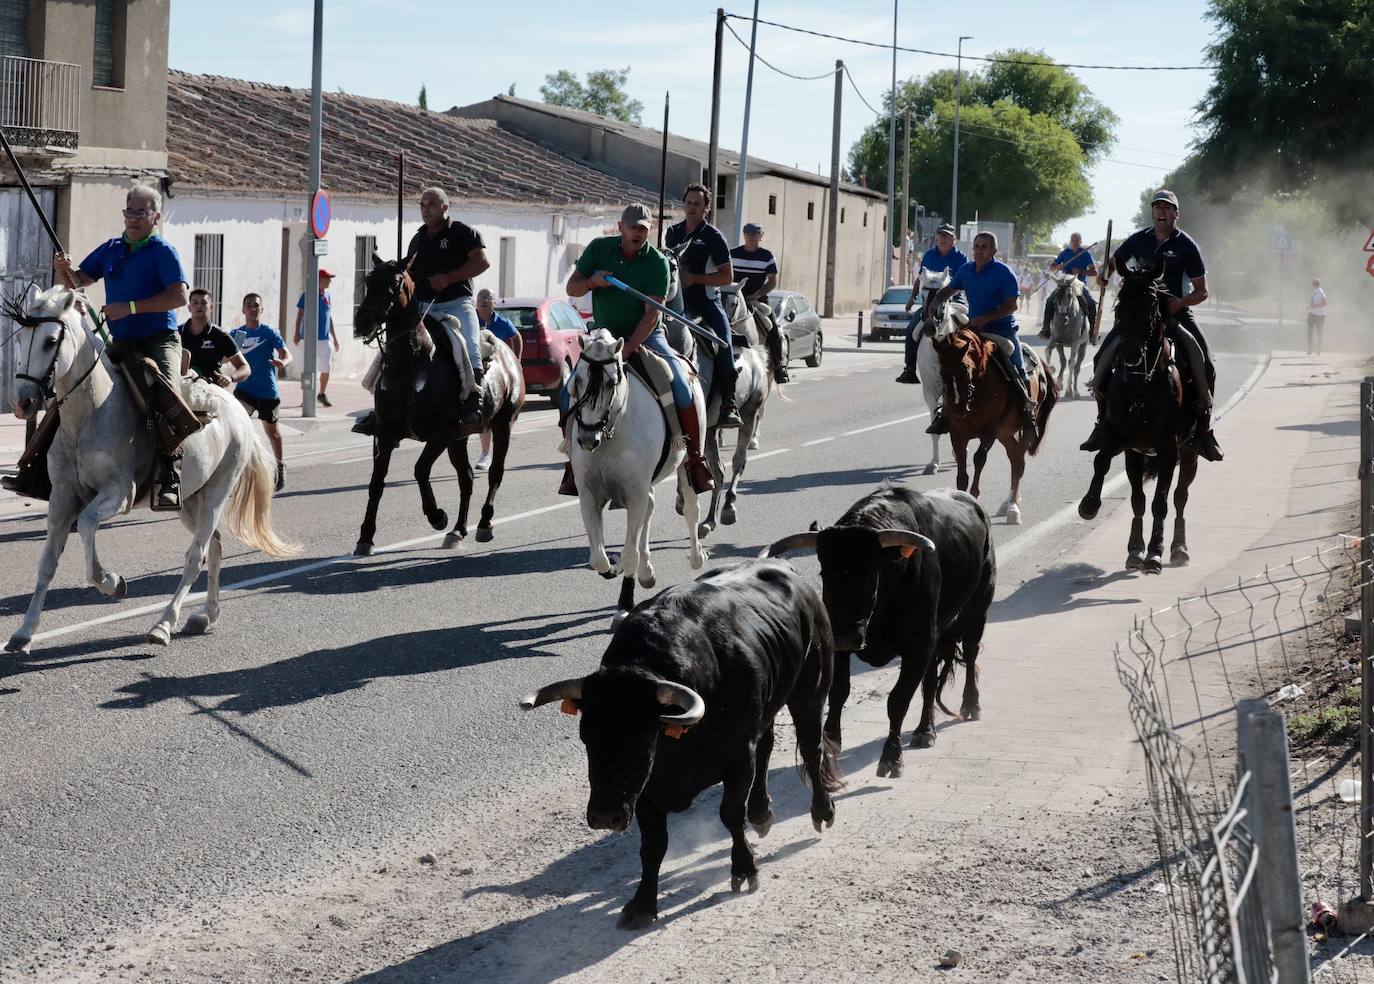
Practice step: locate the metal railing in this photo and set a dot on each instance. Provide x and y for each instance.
(40, 102)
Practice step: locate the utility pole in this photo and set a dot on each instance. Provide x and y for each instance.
(906, 190)
(891, 158)
(715, 108)
(831, 231)
(663, 175)
(744, 141)
(310, 329)
(958, 93)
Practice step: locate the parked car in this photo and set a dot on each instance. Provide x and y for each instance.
(801, 326)
(889, 317)
(549, 327)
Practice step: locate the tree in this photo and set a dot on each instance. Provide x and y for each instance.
(603, 93)
(1288, 107)
(424, 99)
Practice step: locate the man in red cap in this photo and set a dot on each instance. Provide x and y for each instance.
(328, 342)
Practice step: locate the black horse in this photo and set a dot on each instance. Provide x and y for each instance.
(418, 397)
(1150, 416)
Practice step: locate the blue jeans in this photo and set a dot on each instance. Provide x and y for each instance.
(657, 342)
(913, 339)
(1018, 361)
(465, 310)
(714, 316)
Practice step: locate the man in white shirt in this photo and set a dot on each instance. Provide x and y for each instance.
(1316, 318)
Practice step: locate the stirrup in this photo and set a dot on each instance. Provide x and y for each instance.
(167, 497)
(939, 424)
(728, 416)
(700, 476)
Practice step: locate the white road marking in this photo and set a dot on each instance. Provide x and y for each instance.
(351, 461)
(886, 423)
(768, 454)
(819, 440)
(351, 446)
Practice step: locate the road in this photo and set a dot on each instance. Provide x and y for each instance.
(349, 715)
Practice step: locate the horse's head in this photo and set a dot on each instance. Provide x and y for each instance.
(948, 316)
(934, 280)
(1139, 318)
(387, 292)
(49, 334)
(596, 389)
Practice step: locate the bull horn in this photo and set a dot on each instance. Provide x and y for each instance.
(562, 690)
(797, 541)
(677, 695)
(905, 538)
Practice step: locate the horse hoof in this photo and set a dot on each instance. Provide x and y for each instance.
(452, 541)
(647, 580)
(484, 534)
(363, 549)
(19, 644)
(699, 559)
(198, 624)
(930, 469)
(1154, 564)
(888, 770)
(438, 519)
(1134, 561)
(971, 713)
(1087, 509)
(728, 517)
(753, 444)
(160, 635)
(739, 881)
(1002, 509)
(704, 529)
(1179, 557)
(923, 739)
(1013, 516)
(761, 827)
(610, 575)
(121, 587)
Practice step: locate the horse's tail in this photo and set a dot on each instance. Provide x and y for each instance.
(249, 516)
(1042, 412)
(1150, 469)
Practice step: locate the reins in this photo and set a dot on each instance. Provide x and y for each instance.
(596, 382)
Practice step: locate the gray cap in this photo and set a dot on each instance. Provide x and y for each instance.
(637, 214)
(945, 227)
(753, 229)
(1164, 195)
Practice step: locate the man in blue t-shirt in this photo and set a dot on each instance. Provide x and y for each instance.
(944, 255)
(1074, 259)
(328, 342)
(265, 350)
(993, 296)
(144, 284)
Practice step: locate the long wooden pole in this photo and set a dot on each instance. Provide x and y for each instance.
(400, 204)
(663, 175)
(1102, 291)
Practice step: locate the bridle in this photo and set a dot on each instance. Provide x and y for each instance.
(382, 315)
(596, 383)
(47, 383)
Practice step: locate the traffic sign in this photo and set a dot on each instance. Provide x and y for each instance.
(1283, 240)
(1369, 243)
(1369, 267)
(320, 213)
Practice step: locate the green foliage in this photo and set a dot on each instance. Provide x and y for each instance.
(603, 93)
(511, 90)
(424, 99)
(1288, 109)
(1336, 723)
(1028, 134)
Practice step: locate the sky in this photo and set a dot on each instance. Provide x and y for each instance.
(464, 52)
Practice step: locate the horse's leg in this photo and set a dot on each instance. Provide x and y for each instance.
(381, 462)
(592, 521)
(645, 571)
(1135, 546)
(960, 446)
(637, 510)
(458, 458)
(1102, 463)
(1154, 555)
(713, 463)
(500, 444)
(203, 512)
(728, 515)
(437, 518)
(980, 458)
(1187, 471)
(199, 623)
(62, 509)
(106, 503)
(691, 509)
(1016, 455)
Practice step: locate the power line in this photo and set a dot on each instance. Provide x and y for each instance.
(855, 86)
(1002, 61)
(758, 57)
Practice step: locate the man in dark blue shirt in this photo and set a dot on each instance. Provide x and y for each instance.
(703, 260)
(1078, 261)
(944, 255)
(1164, 241)
(993, 295)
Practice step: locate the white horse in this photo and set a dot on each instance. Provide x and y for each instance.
(103, 460)
(1068, 330)
(620, 449)
(928, 363)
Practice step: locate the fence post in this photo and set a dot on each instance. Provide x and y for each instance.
(861, 329)
(1366, 634)
(1263, 743)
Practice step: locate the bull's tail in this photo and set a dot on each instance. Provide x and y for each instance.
(249, 516)
(953, 657)
(1042, 412)
(822, 646)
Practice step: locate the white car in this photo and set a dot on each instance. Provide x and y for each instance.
(889, 317)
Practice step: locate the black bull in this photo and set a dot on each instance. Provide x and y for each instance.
(707, 665)
(911, 575)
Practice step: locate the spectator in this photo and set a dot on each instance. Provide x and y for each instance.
(1316, 318)
(324, 355)
(205, 347)
(263, 347)
(501, 327)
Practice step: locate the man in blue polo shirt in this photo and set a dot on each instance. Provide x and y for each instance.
(944, 255)
(144, 284)
(993, 295)
(1078, 261)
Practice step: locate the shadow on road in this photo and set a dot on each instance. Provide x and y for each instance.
(1056, 591)
(1328, 428)
(863, 477)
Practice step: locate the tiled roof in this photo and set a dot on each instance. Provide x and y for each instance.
(229, 135)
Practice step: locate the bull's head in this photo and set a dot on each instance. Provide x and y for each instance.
(623, 712)
(852, 558)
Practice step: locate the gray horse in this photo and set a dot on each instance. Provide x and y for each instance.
(1068, 331)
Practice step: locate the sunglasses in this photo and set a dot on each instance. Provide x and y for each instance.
(138, 213)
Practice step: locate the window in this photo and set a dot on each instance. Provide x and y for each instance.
(722, 186)
(865, 220)
(14, 28)
(507, 271)
(565, 317)
(884, 223)
(107, 68)
(841, 215)
(363, 248)
(811, 210)
(208, 272)
(772, 204)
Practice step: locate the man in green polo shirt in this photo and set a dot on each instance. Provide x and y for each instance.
(629, 258)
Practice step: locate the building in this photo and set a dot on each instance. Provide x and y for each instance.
(236, 201)
(792, 205)
(83, 97)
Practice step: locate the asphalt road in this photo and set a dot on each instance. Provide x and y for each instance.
(343, 706)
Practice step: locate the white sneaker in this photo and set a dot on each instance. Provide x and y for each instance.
(483, 460)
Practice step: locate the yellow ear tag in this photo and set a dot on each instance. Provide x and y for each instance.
(674, 730)
(569, 706)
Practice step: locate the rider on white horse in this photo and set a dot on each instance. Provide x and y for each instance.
(1078, 261)
(944, 255)
(756, 271)
(144, 284)
(631, 259)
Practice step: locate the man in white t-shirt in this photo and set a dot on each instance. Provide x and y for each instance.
(1316, 318)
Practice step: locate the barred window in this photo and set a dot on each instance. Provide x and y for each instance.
(208, 272)
(363, 248)
(107, 68)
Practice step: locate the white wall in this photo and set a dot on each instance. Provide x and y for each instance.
(253, 244)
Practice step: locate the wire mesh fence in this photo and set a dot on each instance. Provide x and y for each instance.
(1189, 671)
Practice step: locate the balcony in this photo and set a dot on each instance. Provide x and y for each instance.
(40, 105)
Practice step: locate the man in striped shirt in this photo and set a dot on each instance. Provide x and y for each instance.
(756, 271)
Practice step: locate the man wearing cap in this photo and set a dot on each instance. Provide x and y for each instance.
(1164, 241)
(944, 255)
(328, 342)
(1078, 261)
(630, 259)
(704, 267)
(756, 271)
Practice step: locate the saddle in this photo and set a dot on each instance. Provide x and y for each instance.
(169, 417)
(655, 373)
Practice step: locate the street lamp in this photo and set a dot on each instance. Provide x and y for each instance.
(958, 90)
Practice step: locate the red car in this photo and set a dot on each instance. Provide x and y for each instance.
(549, 327)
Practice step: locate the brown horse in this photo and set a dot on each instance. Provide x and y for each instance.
(982, 404)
